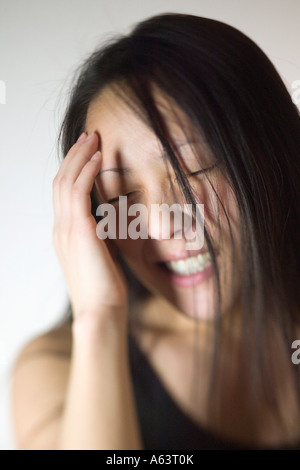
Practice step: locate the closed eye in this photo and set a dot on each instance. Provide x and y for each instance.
(203, 170)
(116, 199)
(194, 173)
(200, 172)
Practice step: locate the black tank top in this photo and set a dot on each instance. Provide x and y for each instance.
(164, 426)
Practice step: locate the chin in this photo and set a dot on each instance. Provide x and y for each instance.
(196, 302)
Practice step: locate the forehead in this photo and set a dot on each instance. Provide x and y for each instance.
(115, 113)
(114, 120)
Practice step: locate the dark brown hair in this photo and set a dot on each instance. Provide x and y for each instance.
(232, 93)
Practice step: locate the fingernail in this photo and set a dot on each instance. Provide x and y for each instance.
(89, 136)
(96, 155)
(81, 137)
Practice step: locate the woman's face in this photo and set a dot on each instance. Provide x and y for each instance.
(162, 263)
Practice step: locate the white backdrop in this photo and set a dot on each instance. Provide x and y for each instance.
(41, 43)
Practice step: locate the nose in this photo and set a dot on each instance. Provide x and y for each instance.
(164, 220)
(168, 216)
(163, 213)
(176, 220)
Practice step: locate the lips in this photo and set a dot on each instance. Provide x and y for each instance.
(180, 255)
(186, 277)
(187, 269)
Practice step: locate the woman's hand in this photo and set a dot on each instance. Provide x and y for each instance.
(95, 282)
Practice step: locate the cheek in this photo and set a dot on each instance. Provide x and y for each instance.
(131, 252)
(127, 247)
(231, 223)
(220, 208)
(229, 215)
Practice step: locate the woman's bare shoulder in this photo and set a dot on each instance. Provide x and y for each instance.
(56, 341)
(39, 383)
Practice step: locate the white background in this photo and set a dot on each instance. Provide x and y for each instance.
(41, 43)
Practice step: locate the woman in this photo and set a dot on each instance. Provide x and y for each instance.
(172, 348)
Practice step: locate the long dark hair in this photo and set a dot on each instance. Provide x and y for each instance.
(237, 101)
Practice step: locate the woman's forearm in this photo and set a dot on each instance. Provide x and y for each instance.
(99, 411)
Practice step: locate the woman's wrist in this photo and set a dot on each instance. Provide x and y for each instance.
(110, 322)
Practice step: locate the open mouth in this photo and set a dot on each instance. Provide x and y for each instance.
(191, 265)
(188, 271)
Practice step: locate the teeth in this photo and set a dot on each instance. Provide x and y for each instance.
(190, 265)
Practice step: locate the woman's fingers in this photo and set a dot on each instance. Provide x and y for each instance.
(81, 190)
(72, 151)
(70, 169)
(75, 162)
(93, 278)
(56, 185)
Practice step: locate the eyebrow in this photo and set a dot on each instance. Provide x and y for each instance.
(119, 170)
(125, 171)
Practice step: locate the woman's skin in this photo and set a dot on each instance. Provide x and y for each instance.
(93, 391)
(126, 142)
